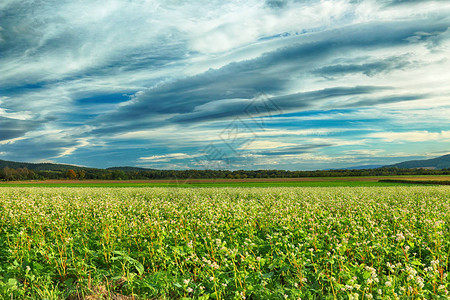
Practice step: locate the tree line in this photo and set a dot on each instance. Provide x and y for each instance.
(10, 174)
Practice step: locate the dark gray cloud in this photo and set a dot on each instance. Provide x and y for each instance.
(14, 128)
(298, 101)
(368, 69)
(276, 3)
(218, 110)
(406, 2)
(41, 147)
(370, 101)
(388, 3)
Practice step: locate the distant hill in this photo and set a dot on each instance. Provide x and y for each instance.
(439, 163)
(61, 167)
(39, 166)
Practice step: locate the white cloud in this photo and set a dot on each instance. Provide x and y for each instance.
(168, 157)
(23, 115)
(369, 152)
(260, 145)
(83, 142)
(411, 136)
(11, 141)
(234, 25)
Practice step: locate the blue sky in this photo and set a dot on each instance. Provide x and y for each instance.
(296, 85)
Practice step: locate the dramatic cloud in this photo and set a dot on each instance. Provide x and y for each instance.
(274, 84)
(13, 128)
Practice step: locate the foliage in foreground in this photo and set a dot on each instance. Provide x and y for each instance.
(229, 243)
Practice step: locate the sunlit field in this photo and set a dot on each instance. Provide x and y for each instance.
(225, 243)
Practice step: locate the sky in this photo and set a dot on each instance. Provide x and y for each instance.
(205, 84)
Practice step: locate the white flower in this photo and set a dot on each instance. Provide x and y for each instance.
(400, 237)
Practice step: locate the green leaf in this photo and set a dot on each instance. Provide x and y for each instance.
(416, 262)
(69, 281)
(37, 266)
(12, 282)
(139, 267)
(285, 268)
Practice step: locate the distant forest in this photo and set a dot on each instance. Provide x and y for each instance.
(11, 174)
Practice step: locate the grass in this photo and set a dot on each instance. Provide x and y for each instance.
(390, 242)
(255, 182)
(411, 181)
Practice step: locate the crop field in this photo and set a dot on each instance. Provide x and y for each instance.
(385, 242)
(345, 181)
(182, 184)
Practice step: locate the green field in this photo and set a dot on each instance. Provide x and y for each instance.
(212, 184)
(383, 242)
(346, 181)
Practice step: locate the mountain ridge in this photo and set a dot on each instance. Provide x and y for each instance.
(61, 167)
(40, 166)
(438, 163)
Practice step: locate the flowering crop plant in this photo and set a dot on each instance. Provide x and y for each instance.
(225, 243)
